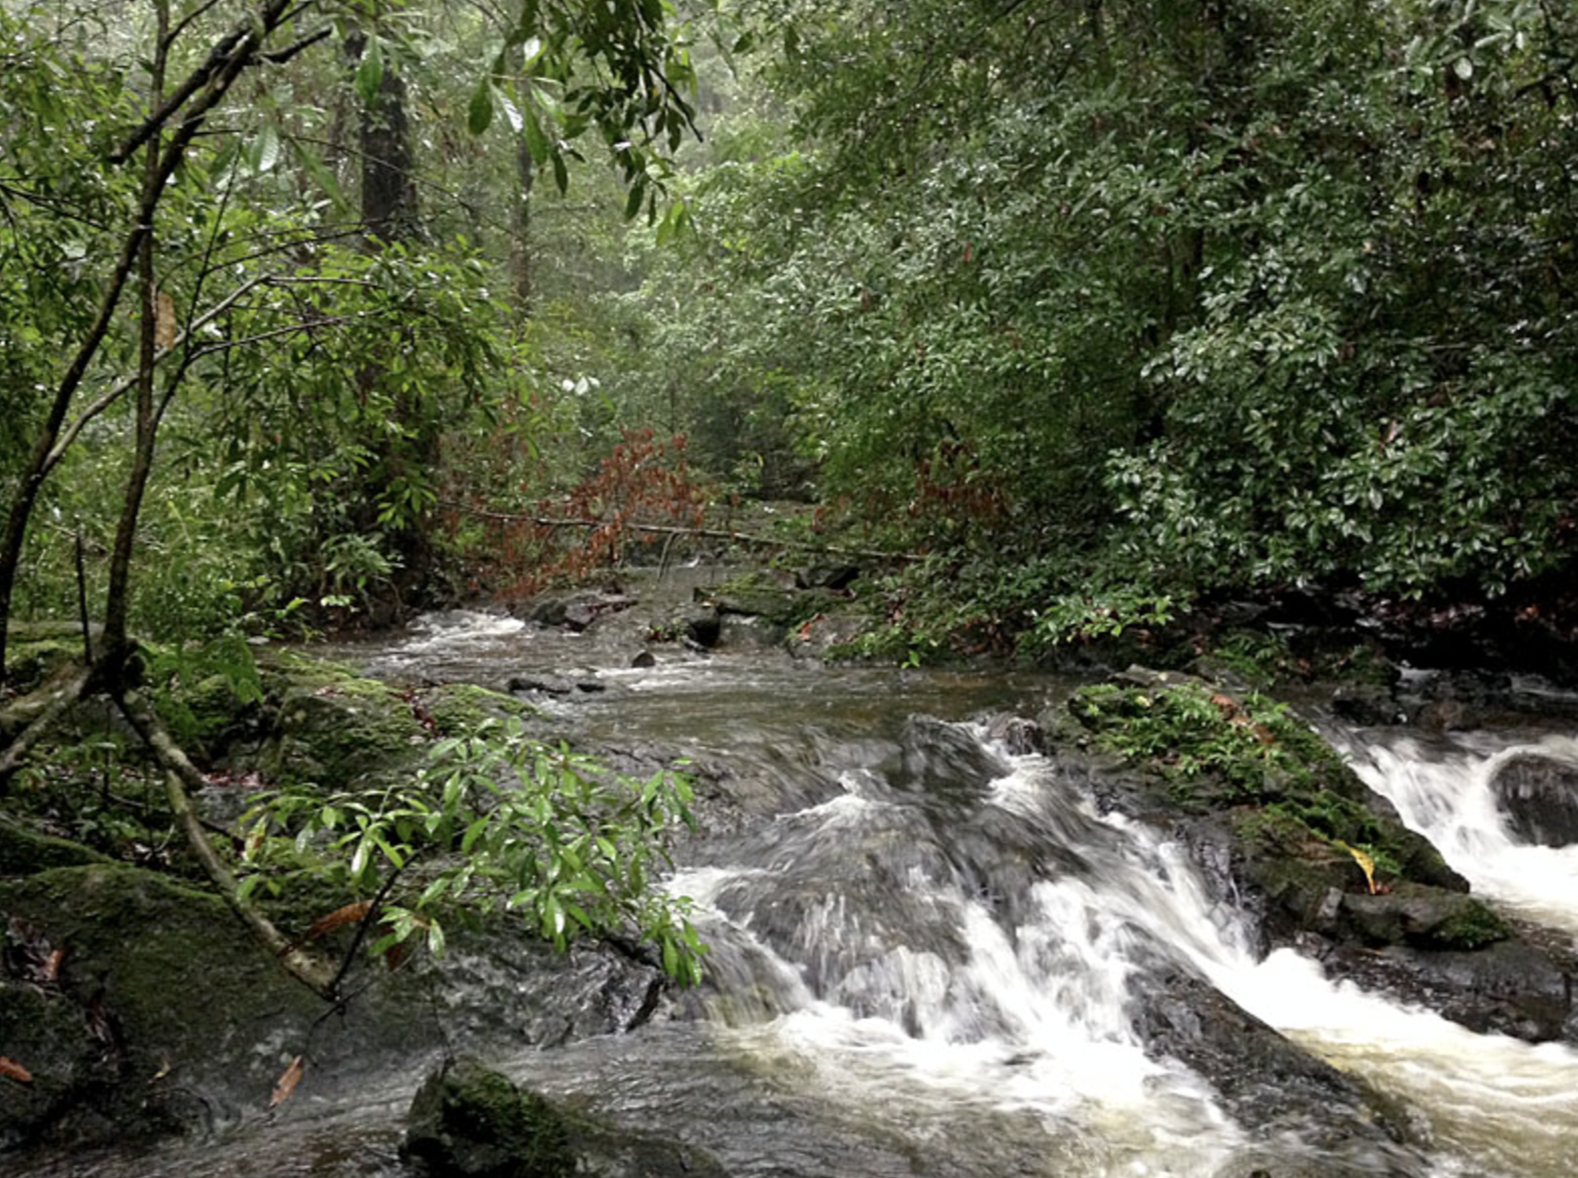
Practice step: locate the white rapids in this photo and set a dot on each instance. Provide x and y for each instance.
(1032, 1016)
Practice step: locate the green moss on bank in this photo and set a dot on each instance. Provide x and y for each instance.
(1307, 827)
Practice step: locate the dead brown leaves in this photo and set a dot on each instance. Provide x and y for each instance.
(1234, 713)
(347, 914)
(288, 1079)
(12, 1070)
(29, 957)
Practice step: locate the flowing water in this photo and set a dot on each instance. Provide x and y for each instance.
(927, 952)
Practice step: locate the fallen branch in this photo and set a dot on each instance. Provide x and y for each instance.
(668, 530)
(179, 776)
(35, 715)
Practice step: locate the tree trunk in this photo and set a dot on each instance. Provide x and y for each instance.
(198, 94)
(391, 215)
(520, 209)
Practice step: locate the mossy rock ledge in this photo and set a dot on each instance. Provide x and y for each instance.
(142, 1006)
(1283, 828)
(324, 724)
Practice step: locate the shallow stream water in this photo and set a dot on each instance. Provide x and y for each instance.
(925, 950)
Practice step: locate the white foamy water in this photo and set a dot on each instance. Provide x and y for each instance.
(1035, 1016)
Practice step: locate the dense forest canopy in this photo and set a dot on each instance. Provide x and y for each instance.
(1098, 306)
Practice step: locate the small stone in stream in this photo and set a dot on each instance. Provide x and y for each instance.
(468, 1121)
(645, 659)
(1020, 737)
(545, 684)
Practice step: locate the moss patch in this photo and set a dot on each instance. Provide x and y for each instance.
(760, 595)
(331, 727)
(457, 708)
(24, 852)
(181, 987)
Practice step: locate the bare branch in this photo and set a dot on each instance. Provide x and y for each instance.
(665, 530)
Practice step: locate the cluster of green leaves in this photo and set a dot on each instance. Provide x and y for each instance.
(496, 822)
(622, 67)
(1188, 732)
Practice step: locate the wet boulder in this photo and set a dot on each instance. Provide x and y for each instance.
(942, 760)
(469, 1121)
(577, 611)
(1285, 831)
(769, 596)
(1538, 797)
(1273, 1084)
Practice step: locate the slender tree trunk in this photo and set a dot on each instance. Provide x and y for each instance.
(391, 215)
(202, 90)
(117, 602)
(520, 210)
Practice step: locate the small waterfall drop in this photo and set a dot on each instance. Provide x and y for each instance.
(1442, 789)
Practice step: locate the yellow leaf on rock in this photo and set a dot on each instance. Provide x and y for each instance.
(1366, 864)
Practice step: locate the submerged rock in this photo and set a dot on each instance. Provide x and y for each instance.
(468, 1121)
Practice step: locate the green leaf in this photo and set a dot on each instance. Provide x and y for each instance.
(473, 833)
(480, 114)
(370, 73)
(536, 141)
(638, 192)
(561, 176)
(265, 153)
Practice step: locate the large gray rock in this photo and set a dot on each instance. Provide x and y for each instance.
(1538, 795)
(165, 1015)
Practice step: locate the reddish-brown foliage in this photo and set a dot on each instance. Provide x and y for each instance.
(646, 480)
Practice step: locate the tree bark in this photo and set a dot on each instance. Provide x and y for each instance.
(391, 215)
(117, 602)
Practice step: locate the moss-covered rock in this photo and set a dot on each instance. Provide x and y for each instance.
(331, 727)
(160, 992)
(37, 650)
(1294, 799)
(457, 708)
(23, 851)
(1329, 855)
(774, 599)
(469, 1121)
(167, 1015)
